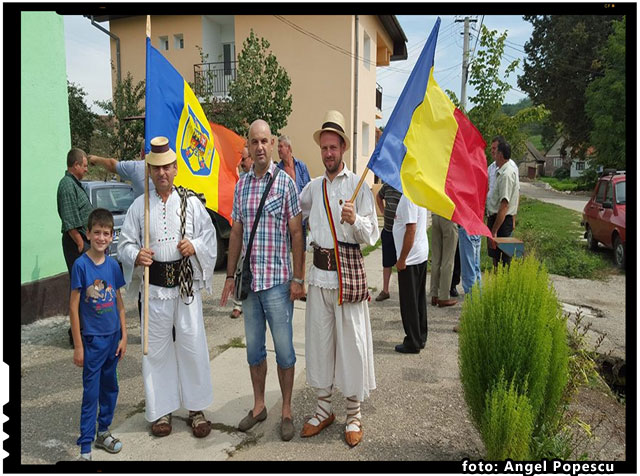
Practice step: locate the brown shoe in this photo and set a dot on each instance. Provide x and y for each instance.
(353, 437)
(200, 426)
(446, 302)
(162, 426)
(434, 301)
(382, 296)
(312, 430)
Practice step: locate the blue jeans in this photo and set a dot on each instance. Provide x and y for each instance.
(469, 259)
(273, 306)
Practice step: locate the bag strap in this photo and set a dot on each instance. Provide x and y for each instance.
(255, 221)
(334, 235)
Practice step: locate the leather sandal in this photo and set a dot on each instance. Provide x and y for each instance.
(200, 426)
(162, 426)
(353, 437)
(312, 430)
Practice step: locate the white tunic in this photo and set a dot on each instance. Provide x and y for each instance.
(176, 374)
(164, 235)
(339, 343)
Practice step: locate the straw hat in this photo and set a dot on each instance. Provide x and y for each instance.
(333, 122)
(161, 153)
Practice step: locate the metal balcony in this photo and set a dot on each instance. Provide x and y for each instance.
(213, 79)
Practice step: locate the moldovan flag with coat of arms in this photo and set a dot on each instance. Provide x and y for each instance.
(431, 152)
(208, 154)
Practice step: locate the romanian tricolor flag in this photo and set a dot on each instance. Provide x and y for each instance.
(431, 152)
(208, 154)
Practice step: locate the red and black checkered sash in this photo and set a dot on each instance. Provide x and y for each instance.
(352, 279)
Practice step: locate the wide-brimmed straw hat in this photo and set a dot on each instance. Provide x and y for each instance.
(333, 122)
(161, 153)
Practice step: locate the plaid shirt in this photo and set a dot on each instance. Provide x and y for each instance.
(74, 206)
(270, 261)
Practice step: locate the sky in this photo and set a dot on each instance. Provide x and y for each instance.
(88, 60)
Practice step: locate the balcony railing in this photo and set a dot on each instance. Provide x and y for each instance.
(213, 79)
(379, 96)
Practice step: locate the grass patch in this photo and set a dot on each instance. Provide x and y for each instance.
(554, 233)
(368, 249)
(235, 342)
(563, 185)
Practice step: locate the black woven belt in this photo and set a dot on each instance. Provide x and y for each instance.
(324, 258)
(164, 274)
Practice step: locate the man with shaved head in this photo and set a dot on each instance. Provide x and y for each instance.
(275, 285)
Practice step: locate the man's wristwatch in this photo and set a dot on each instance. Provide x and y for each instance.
(298, 280)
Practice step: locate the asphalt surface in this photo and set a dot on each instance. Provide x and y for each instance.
(417, 412)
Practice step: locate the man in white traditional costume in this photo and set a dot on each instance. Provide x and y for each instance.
(339, 348)
(181, 257)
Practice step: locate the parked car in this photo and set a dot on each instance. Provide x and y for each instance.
(604, 215)
(115, 197)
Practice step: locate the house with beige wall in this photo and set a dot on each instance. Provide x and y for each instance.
(331, 61)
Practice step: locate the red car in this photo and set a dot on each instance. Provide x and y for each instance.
(604, 215)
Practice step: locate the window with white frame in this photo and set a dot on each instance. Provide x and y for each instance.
(366, 51)
(557, 162)
(178, 41)
(163, 43)
(579, 165)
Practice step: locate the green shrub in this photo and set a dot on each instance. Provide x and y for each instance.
(513, 328)
(507, 423)
(562, 173)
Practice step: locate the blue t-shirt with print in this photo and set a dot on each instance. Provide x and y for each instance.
(98, 285)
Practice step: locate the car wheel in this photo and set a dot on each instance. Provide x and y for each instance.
(592, 243)
(618, 252)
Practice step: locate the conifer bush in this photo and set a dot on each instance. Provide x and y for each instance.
(507, 424)
(512, 330)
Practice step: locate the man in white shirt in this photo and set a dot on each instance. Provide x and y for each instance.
(502, 204)
(339, 343)
(412, 249)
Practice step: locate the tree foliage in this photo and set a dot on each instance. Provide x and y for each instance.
(491, 87)
(127, 136)
(81, 119)
(606, 102)
(563, 58)
(261, 89)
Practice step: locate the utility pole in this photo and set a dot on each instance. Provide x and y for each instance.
(465, 62)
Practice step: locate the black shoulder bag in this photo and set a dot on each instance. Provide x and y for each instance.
(243, 276)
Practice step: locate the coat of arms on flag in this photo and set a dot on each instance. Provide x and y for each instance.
(193, 145)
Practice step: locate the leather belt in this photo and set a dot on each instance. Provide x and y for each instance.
(324, 258)
(164, 274)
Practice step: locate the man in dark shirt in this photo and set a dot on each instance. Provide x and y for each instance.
(74, 208)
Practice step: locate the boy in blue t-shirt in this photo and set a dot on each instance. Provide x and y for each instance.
(99, 332)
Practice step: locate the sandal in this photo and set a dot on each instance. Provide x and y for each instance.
(200, 426)
(162, 426)
(236, 313)
(108, 443)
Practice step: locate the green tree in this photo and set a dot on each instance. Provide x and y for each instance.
(491, 86)
(81, 119)
(606, 102)
(261, 88)
(563, 58)
(127, 136)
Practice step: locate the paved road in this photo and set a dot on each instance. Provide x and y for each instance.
(538, 191)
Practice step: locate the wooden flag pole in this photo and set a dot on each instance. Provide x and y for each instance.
(145, 350)
(355, 194)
